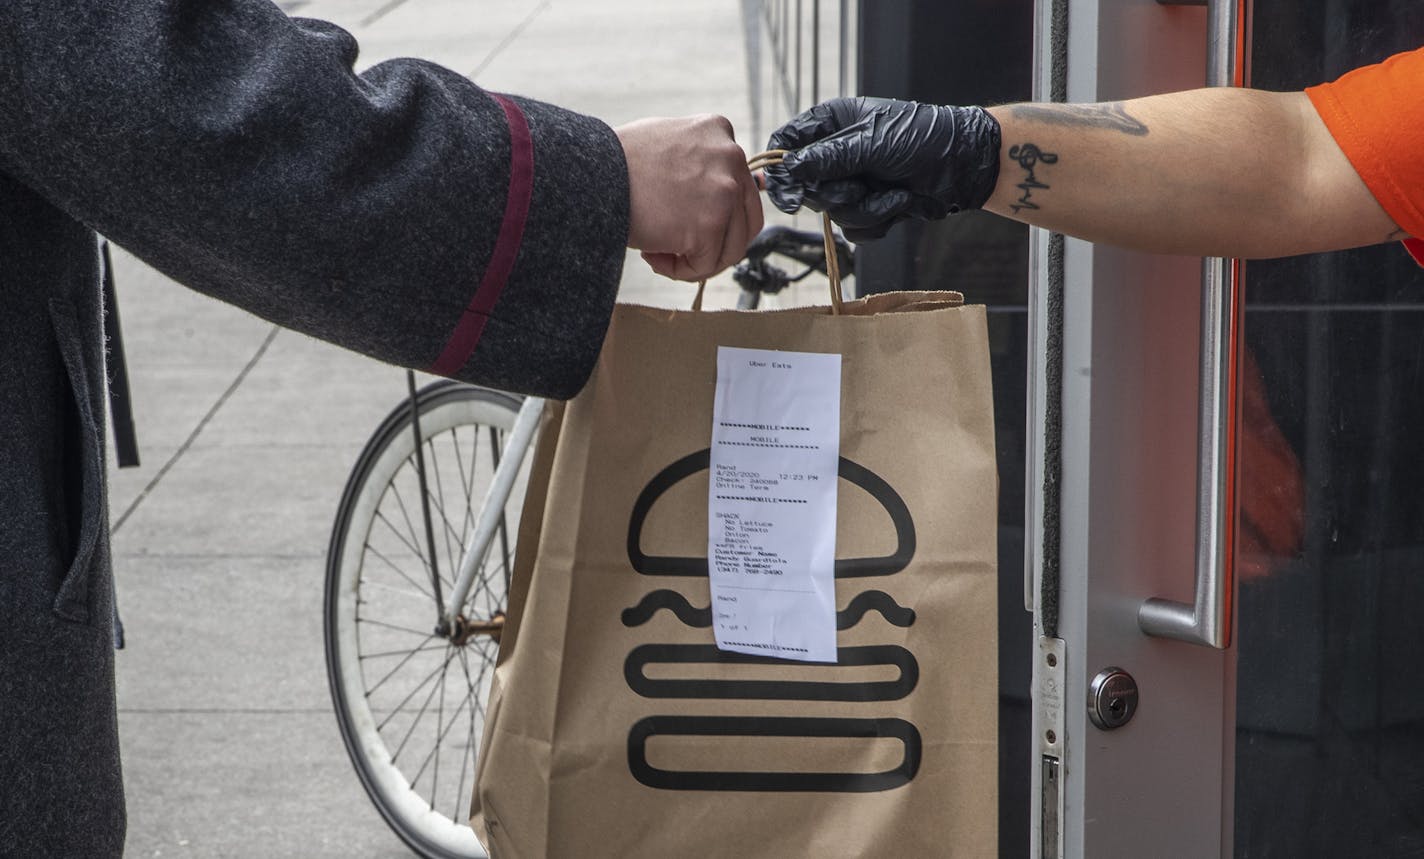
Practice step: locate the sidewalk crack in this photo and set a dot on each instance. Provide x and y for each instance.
(509, 39)
(197, 430)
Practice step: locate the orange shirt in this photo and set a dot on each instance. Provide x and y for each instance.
(1376, 114)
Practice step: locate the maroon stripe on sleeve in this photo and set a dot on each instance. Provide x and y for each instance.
(466, 335)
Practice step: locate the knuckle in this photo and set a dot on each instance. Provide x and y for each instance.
(721, 123)
(715, 123)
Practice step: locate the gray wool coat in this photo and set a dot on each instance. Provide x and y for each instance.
(403, 213)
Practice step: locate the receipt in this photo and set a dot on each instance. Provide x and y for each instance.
(771, 512)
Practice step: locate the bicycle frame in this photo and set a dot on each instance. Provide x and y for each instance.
(473, 558)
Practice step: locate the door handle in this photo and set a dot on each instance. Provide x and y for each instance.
(1207, 619)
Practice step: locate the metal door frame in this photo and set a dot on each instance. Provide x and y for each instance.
(1126, 505)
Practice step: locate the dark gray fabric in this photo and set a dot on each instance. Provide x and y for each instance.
(235, 150)
(60, 789)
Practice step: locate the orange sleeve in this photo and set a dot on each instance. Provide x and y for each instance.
(1376, 114)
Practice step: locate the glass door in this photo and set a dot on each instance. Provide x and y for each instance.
(1329, 740)
(1305, 736)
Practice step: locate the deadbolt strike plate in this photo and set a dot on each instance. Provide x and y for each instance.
(1046, 828)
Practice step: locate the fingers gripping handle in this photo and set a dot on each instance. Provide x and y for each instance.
(833, 266)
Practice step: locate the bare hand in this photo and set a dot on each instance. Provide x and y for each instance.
(694, 203)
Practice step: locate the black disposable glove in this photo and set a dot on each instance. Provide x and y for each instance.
(870, 162)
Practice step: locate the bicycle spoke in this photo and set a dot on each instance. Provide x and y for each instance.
(447, 579)
(416, 416)
(469, 739)
(466, 483)
(484, 578)
(441, 732)
(411, 694)
(393, 626)
(372, 587)
(450, 531)
(397, 574)
(399, 665)
(482, 585)
(414, 541)
(386, 653)
(373, 550)
(437, 498)
(408, 544)
(479, 586)
(435, 750)
(440, 684)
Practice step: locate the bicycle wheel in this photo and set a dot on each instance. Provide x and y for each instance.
(410, 700)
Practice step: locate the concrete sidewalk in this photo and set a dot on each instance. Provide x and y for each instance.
(248, 432)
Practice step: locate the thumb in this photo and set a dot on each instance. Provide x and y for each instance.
(785, 193)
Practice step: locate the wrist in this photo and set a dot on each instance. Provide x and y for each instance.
(630, 161)
(971, 164)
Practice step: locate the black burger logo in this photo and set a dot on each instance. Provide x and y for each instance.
(808, 689)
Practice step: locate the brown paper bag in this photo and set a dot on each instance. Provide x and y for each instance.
(617, 729)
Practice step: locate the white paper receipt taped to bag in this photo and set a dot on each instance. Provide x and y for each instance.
(771, 511)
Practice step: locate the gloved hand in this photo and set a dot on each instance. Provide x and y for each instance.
(870, 162)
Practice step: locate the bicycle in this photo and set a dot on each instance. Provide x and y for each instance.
(757, 277)
(416, 593)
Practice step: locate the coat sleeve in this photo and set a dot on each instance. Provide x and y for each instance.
(403, 212)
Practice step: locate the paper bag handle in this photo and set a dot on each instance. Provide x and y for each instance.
(833, 265)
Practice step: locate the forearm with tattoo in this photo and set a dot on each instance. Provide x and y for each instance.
(1110, 115)
(1028, 156)
(1223, 171)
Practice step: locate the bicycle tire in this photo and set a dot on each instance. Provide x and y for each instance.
(377, 607)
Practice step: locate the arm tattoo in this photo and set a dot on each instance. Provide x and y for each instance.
(1110, 115)
(1028, 156)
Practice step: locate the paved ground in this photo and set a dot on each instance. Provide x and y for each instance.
(247, 433)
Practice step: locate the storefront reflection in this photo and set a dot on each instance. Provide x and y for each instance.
(1272, 511)
(1330, 693)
